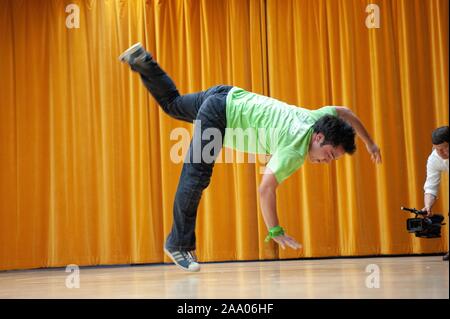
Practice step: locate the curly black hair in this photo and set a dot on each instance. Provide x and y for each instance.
(337, 132)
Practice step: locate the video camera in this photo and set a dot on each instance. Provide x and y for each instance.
(423, 226)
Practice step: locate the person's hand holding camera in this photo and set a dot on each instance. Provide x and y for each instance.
(428, 210)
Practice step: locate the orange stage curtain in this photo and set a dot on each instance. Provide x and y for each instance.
(85, 170)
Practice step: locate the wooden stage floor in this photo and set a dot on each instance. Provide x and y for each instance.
(387, 277)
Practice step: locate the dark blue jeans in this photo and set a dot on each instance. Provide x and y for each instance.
(208, 107)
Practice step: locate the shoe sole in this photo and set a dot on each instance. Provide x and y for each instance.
(129, 51)
(176, 264)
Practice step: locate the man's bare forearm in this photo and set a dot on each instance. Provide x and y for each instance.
(347, 115)
(359, 127)
(429, 200)
(268, 201)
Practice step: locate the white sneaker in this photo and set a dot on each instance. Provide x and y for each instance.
(134, 53)
(185, 260)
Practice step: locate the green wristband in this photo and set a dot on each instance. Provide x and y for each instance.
(274, 232)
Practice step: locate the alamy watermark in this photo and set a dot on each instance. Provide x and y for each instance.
(205, 145)
(373, 19)
(373, 280)
(73, 17)
(73, 280)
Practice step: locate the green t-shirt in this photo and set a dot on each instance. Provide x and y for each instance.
(263, 125)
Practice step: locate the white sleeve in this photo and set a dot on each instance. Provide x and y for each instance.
(433, 177)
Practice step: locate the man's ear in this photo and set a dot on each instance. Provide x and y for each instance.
(319, 138)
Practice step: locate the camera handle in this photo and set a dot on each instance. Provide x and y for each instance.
(414, 211)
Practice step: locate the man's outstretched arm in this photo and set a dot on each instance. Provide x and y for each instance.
(267, 192)
(431, 186)
(347, 115)
(429, 200)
